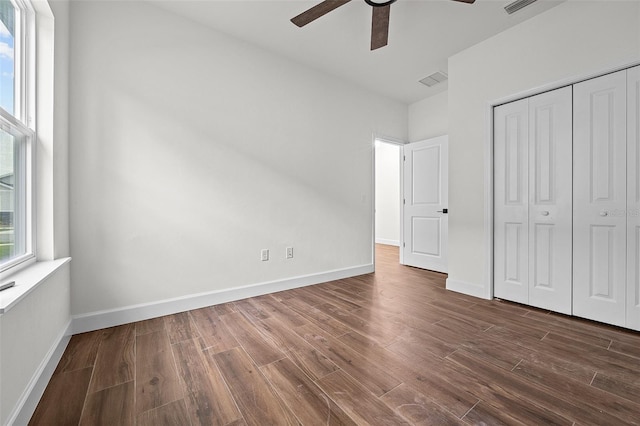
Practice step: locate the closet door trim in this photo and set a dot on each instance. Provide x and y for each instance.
(633, 198)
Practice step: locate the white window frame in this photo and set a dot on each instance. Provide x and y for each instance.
(21, 126)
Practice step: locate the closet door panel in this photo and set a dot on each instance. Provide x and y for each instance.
(600, 182)
(511, 199)
(550, 200)
(633, 198)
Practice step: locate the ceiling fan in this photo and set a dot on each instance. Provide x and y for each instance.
(379, 21)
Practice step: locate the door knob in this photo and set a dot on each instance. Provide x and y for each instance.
(445, 211)
(604, 213)
(544, 213)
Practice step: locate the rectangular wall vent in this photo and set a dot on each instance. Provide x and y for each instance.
(435, 78)
(515, 6)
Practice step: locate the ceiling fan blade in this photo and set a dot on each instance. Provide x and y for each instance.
(380, 26)
(466, 1)
(317, 11)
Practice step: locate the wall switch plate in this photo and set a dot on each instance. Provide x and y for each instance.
(264, 255)
(289, 252)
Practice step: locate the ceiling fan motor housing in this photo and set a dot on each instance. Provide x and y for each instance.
(375, 3)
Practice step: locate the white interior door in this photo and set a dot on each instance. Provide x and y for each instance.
(511, 200)
(550, 200)
(425, 203)
(633, 198)
(600, 193)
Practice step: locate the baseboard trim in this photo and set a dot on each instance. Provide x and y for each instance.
(388, 242)
(28, 402)
(110, 318)
(464, 287)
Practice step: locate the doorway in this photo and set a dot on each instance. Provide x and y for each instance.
(411, 197)
(387, 192)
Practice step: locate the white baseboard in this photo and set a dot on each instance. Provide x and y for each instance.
(110, 318)
(471, 289)
(28, 402)
(388, 242)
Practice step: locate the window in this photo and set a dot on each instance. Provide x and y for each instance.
(16, 135)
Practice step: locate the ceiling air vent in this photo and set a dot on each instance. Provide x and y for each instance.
(515, 6)
(435, 78)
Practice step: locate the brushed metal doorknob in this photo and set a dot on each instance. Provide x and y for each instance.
(604, 213)
(544, 213)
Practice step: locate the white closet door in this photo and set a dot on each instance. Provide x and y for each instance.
(550, 196)
(600, 193)
(511, 200)
(633, 198)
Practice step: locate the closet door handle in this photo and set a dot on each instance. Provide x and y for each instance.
(544, 213)
(604, 213)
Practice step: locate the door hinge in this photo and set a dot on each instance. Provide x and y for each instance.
(404, 158)
(404, 201)
(403, 244)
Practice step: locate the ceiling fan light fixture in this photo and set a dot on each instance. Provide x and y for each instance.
(515, 6)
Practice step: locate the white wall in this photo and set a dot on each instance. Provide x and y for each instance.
(571, 40)
(31, 332)
(191, 151)
(52, 127)
(387, 193)
(429, 117)
(60, 157)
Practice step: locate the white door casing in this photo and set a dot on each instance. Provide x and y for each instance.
(550, 200)
(511, 199)
(633, 198)
(599, 199)
(425, 200)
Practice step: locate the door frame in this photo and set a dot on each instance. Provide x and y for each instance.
(486, 292)
(400, 143)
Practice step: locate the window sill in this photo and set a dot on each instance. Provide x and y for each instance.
(27, 280)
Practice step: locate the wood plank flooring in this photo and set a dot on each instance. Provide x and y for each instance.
(389, 348)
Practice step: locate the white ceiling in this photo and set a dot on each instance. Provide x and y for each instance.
(422, 35)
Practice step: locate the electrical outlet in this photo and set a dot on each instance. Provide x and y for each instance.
(289, 252)
(264, 255)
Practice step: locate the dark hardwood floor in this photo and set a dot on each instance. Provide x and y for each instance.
(388, 348)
